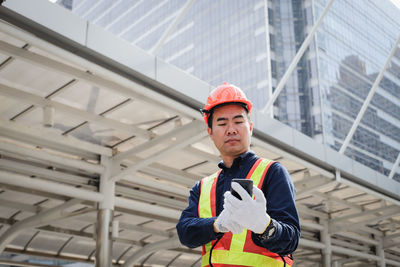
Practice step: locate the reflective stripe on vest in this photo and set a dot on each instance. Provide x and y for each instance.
(238, 249)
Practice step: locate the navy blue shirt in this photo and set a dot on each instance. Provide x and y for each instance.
(280, 195)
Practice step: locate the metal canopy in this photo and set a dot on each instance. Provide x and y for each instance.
(68, 123)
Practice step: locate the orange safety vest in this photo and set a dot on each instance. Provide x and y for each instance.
(235, 249)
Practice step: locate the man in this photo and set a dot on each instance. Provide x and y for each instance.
(259, 231)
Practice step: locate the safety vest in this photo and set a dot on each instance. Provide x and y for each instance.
(236, 249)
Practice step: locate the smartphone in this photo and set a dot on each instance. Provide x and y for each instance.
(247, 184)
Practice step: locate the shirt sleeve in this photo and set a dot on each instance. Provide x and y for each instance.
(192, 230)
(280, 193)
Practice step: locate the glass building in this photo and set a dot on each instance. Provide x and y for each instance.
(252, 43)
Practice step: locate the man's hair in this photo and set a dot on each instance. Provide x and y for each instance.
(210, 118)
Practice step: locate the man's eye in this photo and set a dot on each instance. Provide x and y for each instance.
(237, 122)
(221, 124)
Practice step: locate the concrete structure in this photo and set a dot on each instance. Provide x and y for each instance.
(100, 142)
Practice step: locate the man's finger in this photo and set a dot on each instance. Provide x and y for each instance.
(241, 191)
(231, 202)
(258, 194)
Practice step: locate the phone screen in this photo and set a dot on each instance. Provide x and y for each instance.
(247, 184)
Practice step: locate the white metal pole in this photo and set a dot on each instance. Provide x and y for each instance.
(296, 59)
(327, 251)
(368, 99)
(103, 256)
(268, 50)
(47, 186)
(105, 216)
(380, 253)
(395, 166)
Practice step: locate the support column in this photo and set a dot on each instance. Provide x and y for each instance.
(105, 217)
(380, 253)
(327, 251)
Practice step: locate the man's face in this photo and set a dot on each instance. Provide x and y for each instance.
(231, 130)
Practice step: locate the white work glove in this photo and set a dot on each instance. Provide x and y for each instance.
(224, 223)
(248, 212)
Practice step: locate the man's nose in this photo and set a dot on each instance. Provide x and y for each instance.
(231, 129)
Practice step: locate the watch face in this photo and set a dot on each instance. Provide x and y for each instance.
(271, 231)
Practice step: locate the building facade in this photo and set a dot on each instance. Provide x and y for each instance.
(228, 40)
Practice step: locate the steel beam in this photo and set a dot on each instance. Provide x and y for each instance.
(9, 178)
(146, 208)
(368, 99)
(296, 59)
(49, 158)
(357, 238)
(54, 175)
(150, 248)
(202, 154)
(49, 139)
(311, 244)
(305, 210)
(125, 86)
(152, 197)
(311, 225)
(78, 113)
(117, 159)
(134, 227)
(53, 65)
(312, 189)
(392, 209)
(330, 198)
(19, 206)
(171, 174)
(70, 191)
(40, 219)
(184, 139)
(155, 184)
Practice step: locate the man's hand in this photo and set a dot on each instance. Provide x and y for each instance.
(249, 213)
(224, 223)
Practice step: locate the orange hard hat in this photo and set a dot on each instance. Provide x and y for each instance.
(224, 94)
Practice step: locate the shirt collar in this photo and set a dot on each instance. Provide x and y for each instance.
(246, 155)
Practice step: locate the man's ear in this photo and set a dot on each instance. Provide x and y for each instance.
(209, 131)
(251, 128)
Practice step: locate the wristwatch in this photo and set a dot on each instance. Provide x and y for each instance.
(269, 232)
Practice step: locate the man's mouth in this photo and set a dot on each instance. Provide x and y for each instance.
(232, 140)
